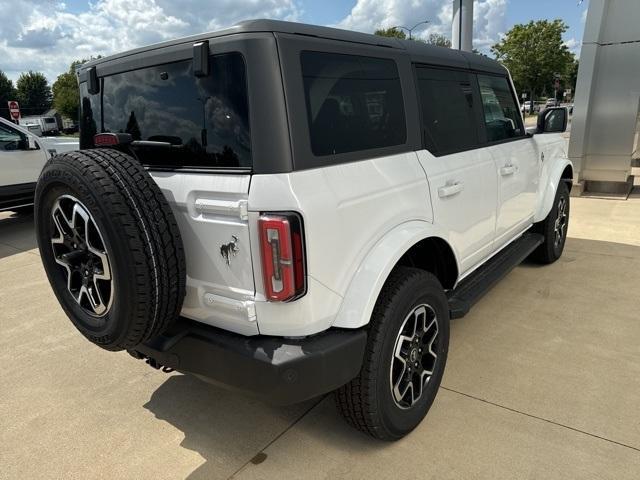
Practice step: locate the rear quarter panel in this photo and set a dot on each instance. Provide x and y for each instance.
(346, 210)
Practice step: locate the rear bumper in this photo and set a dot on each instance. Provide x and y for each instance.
(279, 370)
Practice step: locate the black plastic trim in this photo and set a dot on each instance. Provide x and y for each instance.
(94, 86)
(472, 288)
(278, 129)
(279, 370)
(17, 195)
(201, 58)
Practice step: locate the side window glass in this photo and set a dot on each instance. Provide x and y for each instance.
(10, 139)
(448, 110)
(353, 103)
(501, 115)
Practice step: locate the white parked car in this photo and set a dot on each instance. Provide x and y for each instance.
(22, 156)
(551, 102)
(293, 210)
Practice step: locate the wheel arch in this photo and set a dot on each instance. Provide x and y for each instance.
(561, 170)
(418, 244)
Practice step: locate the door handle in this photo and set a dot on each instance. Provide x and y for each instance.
(450, 189)
(507, 170)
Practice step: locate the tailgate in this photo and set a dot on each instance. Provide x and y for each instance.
(211, 210)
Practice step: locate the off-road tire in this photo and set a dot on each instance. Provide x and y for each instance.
(549, 251)
(140, 235)
(366, 402)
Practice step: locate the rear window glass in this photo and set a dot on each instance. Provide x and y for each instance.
(353, 103)
(196, 121)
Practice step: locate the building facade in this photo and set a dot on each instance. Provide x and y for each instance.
(606, 123)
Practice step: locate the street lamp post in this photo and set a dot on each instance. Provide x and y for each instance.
(410, 30)
(203, 132)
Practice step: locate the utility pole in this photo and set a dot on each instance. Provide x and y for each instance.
(203, 132)
(462, 25)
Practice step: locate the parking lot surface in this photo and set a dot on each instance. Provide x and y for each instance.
(542, 381)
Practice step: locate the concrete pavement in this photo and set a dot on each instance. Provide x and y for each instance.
(543, 381)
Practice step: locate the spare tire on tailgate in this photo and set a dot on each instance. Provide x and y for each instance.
(111, 247)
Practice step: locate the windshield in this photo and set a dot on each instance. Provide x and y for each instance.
(195, 121)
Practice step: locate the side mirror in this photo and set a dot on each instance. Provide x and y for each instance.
(553, 119)
(32, 144)
(27, 142)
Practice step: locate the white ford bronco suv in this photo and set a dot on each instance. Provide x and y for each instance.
(292, 210)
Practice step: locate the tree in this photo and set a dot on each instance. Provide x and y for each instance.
(133, 128)
(7, 93)
(572, 76)
(534, 53)
(393, 32)
(88, 127)
(66, 94)
(438, 40)
(34, 93)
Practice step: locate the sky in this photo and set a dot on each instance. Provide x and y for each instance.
(47, 35)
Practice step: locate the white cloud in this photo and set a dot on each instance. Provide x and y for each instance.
(368, 15)
(574, 46)
(488, 23)
(44, 36)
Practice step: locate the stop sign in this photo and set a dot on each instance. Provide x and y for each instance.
(14, 110)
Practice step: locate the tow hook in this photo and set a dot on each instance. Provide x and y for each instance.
(152, 362)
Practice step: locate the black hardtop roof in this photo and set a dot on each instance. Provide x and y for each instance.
(419, 52)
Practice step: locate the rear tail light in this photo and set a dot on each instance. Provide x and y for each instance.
(111, 139)
(282, 249)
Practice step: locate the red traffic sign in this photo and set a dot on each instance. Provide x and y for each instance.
(14, 110)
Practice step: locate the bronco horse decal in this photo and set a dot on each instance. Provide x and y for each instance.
(229, 249)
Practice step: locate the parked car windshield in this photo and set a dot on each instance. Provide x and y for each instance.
(9, 138)
(197, 121)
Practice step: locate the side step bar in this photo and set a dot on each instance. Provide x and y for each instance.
(472, 288)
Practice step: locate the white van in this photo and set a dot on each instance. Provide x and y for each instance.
(48, 125)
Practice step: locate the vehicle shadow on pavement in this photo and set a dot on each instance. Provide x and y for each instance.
(226, 428)
(17, 233)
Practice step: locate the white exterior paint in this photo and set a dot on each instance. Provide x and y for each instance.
(516, 167)
(210, 209)
(359, 219)
(464, 195)
(346, 210)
